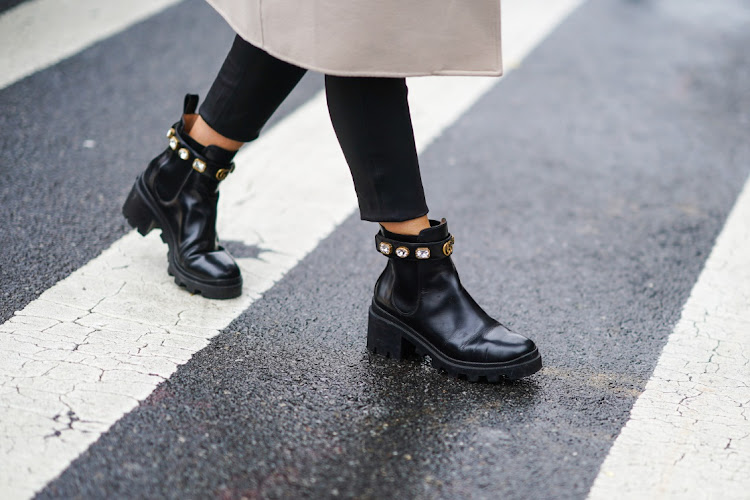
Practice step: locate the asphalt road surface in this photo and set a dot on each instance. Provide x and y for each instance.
(586, 191)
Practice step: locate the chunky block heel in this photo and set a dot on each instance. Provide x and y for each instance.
(386, 339)
(138, 213)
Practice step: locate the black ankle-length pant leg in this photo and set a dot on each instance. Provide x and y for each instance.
(372, 122)
(250, 86)
(370, 116)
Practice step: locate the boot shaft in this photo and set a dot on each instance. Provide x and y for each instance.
(420, 268)
(187, 164)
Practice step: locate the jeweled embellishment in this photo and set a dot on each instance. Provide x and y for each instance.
(385, 248)
(184, 153)
(173, 143)
(199, 165)
(170, 133)
(422, 253)
(402, 252)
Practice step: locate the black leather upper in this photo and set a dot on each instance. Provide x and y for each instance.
(427, 295)
(187, 200)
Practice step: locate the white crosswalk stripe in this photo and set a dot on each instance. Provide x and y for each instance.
(40, 33)
(91, 347)
(689, 432)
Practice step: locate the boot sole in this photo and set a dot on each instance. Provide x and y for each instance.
(141, 213)
(390, 337)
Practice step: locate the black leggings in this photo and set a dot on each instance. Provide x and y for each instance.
(370, 116)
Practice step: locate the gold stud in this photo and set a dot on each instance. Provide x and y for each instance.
(184, 154)
(170, 133)
(402, 252)
(385, 248)
(199, 165)
(222, 173)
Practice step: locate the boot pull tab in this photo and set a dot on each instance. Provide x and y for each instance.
(191, 104)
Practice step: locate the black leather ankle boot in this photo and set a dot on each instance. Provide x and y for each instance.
(178, 194)
(420, 305)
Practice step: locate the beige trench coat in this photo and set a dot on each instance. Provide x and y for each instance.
(373, 37)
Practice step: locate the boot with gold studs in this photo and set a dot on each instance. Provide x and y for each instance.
(178, 193)
(420, 307)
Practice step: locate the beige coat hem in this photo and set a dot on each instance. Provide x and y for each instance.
(422, 59)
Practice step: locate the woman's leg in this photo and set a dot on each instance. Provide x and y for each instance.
(248, 89)
(178, 192)
(419, 303)
(372, 122)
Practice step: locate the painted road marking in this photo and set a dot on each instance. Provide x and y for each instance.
(40, 33)
(689, 431)
(91, 347)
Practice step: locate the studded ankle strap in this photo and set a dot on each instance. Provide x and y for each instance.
(201, 164)
(396, 249)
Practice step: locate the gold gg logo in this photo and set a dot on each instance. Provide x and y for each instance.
(448, 247)
(222, 174)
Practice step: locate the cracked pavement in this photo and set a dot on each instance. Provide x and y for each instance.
(585, 191)
(689, 432)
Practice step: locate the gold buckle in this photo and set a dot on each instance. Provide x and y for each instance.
(448, 247)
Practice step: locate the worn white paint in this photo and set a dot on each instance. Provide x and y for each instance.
(39, 33)
(689, 432)
(95, 344)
